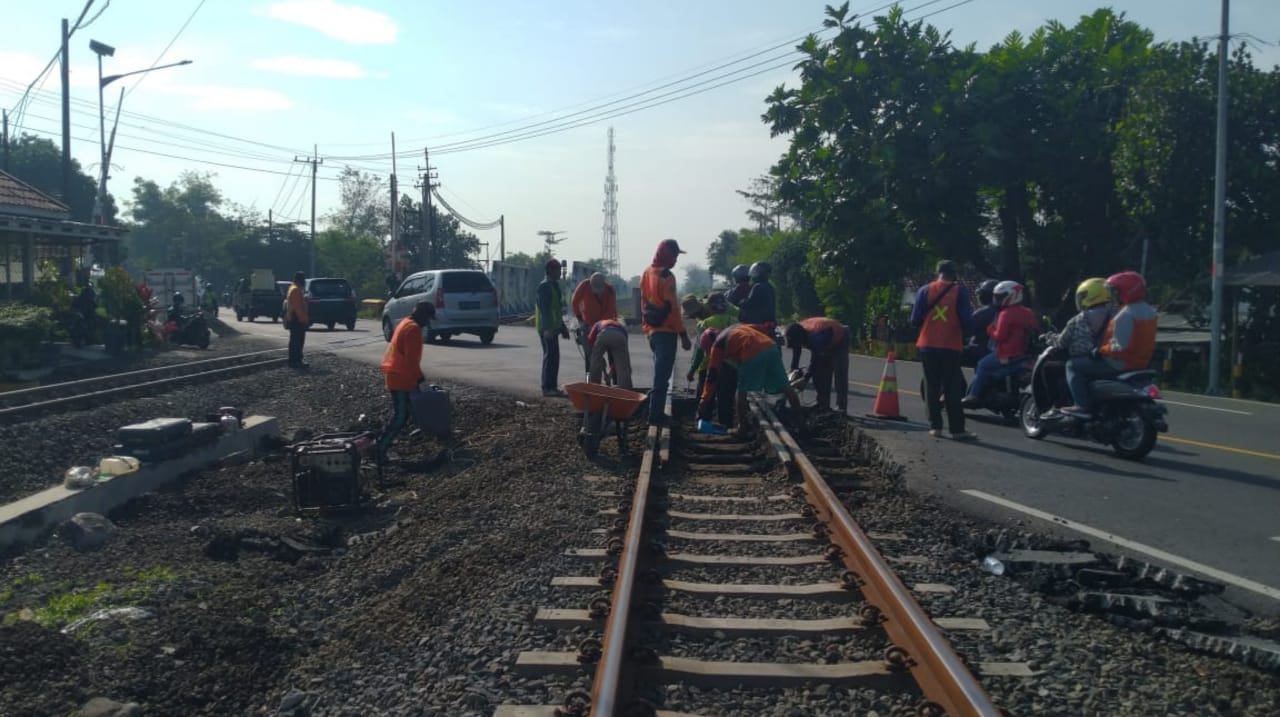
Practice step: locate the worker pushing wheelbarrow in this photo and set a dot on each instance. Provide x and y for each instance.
(603, 407)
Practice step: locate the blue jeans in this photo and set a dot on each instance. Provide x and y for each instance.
(989, 368)
(1080, 370)
(663, 345)
(550, 360)
(399, 417)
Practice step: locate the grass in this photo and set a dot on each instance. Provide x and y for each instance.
(72, 603)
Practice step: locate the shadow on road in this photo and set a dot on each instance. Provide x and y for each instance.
(473, 345)
(1213, 472)
(1084, 465)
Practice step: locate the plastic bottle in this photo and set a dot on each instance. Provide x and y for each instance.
(113, 466)
(78, 478)
(993, 565)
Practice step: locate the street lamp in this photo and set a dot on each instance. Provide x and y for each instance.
(104, 50)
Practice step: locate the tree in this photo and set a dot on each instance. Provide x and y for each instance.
(450, 246)
(363, 204)
(356, 258)
(721, 254)
(178, 226)
(697, 280)
(38, 162)
(766, 209)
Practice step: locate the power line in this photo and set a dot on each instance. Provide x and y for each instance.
(174, 39)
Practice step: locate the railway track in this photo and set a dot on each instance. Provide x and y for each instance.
(20, 405)
(708, 559)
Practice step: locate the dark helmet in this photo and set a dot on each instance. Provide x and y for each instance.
(178, 299)
(717, 303)
(741, 273)
(760, 271)
(986, 291)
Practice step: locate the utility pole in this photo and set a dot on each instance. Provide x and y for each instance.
(428, 218)
(395, 215)
(1219, 208)
(270, 226)
(5, 134)
(502, 238)
(315, 161)
(66, 113)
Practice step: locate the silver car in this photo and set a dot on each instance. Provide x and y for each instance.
(465, 301)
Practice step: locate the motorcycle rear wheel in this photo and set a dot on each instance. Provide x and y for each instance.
(1137, 435)
(1029, 417)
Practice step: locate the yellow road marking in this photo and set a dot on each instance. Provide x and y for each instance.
(1219, 447)
(1171, 439)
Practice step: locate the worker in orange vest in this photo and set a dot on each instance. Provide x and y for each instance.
(402, 369)
(758, 361)
(662, 323)
(297, 319)
(593, 300)
(943, 315)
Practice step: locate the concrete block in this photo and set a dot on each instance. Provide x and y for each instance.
(27, 520)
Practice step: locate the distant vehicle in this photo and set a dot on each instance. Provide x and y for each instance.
(167, 282)
(330, 301)
(465, 301)
(260, 299)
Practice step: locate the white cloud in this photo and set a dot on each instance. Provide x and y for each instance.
(312, 67)
(349, 23)
(218, 97)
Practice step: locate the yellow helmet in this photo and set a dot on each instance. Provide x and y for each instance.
(1092, 292)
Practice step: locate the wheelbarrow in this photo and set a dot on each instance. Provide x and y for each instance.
(600, 405)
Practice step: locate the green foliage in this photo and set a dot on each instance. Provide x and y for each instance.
(38, 162)
(50, 290)
(181, 225)
(722, 254)
(356, 258)
(23, 328)
(72, 603)
(119, 296)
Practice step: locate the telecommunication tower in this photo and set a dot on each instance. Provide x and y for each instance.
(610, 248)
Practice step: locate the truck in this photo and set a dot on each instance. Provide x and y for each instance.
(164, 283)
(258, 297)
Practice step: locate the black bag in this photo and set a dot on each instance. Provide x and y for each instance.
(199, 436)
(155, 432)
(656, 315)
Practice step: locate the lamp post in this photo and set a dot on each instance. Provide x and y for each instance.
(104, 50)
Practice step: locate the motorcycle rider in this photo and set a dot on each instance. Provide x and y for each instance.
(1014, 326)
(741, 285)
(1127, 343)
(210, 300)
(1083, 332)
(761, 305)
(979, 344)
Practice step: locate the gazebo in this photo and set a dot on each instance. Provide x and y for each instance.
(35, 226)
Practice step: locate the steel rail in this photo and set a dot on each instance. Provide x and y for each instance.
(940, 673)
(32, 395)
(607, 688)
(103, 394)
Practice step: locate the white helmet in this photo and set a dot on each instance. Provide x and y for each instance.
(1007, 293)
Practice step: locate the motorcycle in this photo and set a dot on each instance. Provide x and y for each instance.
(1126, 414)
(187, 330)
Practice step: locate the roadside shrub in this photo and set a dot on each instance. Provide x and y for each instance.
(23, 328)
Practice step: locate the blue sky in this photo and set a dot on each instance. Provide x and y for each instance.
(344, 74)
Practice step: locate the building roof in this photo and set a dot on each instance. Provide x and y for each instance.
(1259, 271)
(18, 197)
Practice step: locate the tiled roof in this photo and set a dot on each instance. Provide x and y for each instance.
(18, 197)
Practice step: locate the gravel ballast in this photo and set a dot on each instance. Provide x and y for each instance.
(421, 604)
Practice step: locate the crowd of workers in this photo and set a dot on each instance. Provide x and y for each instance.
(739, 350)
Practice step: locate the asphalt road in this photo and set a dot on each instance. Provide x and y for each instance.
(1205, 500)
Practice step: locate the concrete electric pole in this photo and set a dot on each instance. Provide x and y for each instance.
(1219, 209)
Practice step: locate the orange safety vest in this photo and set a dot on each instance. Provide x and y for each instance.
(592, 308)
(297, 306)
(941, 328)
(402, 361)
(658, 290)
(1136, 355)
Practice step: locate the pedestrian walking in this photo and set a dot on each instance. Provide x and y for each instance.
(548, 319)
(609, 337)
(592, 300)
(828, 343)
(296, 319)
(942, 313)
(662, 323)
(402, 371)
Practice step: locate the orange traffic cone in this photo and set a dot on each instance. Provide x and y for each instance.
(887, 397)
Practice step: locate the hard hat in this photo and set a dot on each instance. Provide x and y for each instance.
(1007, 293)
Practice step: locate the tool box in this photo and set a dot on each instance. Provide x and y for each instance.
(197, 436)
(326, 471)
(431, 411)
(155, 432)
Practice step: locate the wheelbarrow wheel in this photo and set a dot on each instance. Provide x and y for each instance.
(590, 445)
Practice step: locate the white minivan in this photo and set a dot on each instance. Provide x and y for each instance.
(465, 301)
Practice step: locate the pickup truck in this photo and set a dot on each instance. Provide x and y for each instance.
(258, 297)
